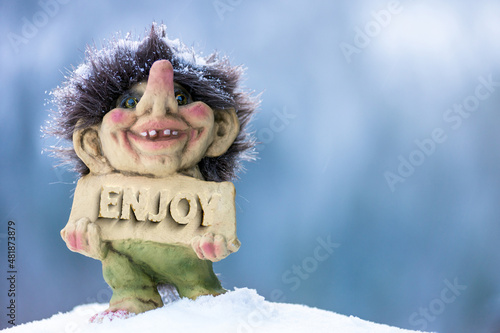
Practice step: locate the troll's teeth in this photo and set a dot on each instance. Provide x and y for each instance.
(144, 134)
(152, 133)
(175, 132)
(166, 132)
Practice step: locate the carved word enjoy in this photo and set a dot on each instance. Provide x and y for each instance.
(182, 207)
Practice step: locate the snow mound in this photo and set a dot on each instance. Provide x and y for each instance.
(241, 311)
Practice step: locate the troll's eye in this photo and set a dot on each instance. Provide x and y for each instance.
(129, 102)
(181, 99)
(181, 95)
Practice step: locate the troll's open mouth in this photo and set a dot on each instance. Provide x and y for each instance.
(157, 140)
(161, 134)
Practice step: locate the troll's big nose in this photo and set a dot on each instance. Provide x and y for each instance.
(161, 77)
(159, 97)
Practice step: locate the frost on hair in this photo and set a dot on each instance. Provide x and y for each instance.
(91, 90)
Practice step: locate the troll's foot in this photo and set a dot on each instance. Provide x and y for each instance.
(108, 315)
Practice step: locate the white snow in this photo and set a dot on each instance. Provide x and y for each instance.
(241, 311)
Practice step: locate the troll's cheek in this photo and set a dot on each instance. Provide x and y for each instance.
(119, 119)
(198, 114)
(115, 125)
(200, 118)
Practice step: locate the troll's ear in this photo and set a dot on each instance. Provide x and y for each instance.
(227, 127)
(88, 148)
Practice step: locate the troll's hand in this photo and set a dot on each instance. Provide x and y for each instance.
(84, 236)
(212, 247)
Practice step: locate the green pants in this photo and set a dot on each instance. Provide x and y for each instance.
(134, 269)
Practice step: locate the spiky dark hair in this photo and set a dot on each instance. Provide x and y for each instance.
(91, 90)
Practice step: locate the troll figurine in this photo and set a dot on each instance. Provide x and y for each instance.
(157, 132)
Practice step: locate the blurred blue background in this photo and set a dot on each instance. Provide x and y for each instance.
(350, 91)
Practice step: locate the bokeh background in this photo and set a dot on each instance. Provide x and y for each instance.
(341, 109)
